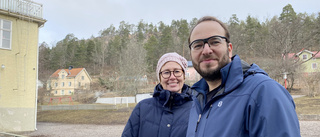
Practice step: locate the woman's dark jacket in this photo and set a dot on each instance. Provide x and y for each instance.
(164, 115)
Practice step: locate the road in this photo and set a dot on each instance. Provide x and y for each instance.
(307, 129)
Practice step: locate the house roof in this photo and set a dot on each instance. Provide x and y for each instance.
(73, 72)
(293, 55)
(317, 55)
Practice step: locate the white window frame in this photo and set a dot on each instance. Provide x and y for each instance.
(69, 84)
(62, 84)
(1, 33)
(316, 65)
(62, 92)
(304, 56)
(82, 77)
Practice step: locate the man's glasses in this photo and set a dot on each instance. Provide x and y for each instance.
(212, 41)
(166, 74)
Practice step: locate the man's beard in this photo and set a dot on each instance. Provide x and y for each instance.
(212, 74)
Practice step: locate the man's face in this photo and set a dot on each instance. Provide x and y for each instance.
(210, 60)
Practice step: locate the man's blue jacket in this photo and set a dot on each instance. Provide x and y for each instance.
(164, 115)
(250, 104)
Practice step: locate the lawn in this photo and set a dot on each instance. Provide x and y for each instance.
(308, 105)
(304, 105)
(99, 117)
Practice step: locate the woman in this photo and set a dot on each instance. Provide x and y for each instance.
(167, 113)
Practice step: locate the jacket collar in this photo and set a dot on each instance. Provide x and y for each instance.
(167, 98)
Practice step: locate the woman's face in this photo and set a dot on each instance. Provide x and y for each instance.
(172, 83)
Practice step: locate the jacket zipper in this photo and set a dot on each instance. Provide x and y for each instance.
(198, 122)
(209, 111)
(200, 118)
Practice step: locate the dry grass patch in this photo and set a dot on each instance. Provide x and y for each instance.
(308, 105)
(99, 117)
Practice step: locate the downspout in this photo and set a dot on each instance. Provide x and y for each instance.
(17, 77)
(37, 75)
(36, 101)
(25, 56)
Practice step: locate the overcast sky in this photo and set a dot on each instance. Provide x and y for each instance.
(85, 18)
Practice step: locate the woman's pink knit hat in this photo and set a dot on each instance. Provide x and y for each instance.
(173, 56)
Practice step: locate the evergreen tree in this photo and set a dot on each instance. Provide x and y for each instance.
(80, 56)
(288, 14)
(152, 53)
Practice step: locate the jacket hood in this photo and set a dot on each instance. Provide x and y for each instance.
(232, 75)
(168, 98)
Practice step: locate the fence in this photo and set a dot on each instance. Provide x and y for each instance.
(23, 7)
(103, 103)
(76, 107)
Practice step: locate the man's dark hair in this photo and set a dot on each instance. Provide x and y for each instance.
(211, 18)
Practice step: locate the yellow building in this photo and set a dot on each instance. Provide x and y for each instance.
(19, 32)
(66, 81)
(311, 61)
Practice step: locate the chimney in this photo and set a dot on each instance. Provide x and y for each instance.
(70, 67)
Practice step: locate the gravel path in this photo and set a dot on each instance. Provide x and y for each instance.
(75, 130)
(307, 129)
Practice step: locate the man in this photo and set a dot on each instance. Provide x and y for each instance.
(234, 99)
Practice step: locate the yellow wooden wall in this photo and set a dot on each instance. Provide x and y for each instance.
(18, 89)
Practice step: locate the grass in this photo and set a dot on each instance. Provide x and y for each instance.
(304, 105)
(308, 105)
(99, 117)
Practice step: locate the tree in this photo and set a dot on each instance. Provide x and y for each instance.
(102, 46)
(44, 62)
(288, 14)
(90, 52)
(312, 84)
(183, 34)
(70, 42)
(237, 31)
(252, 32)
(80, 55)
(141, 30)
(152, 53)
(166, 39)
(131, 50)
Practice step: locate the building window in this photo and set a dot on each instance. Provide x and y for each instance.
(56, 84)
(69, 84)
(70, 92)
(314, 65)
(5, 34)
(62, 92)
(55, 92)
(82, 77)
(62, 84)
(304, 57)
(79, 84)
(62, 76)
